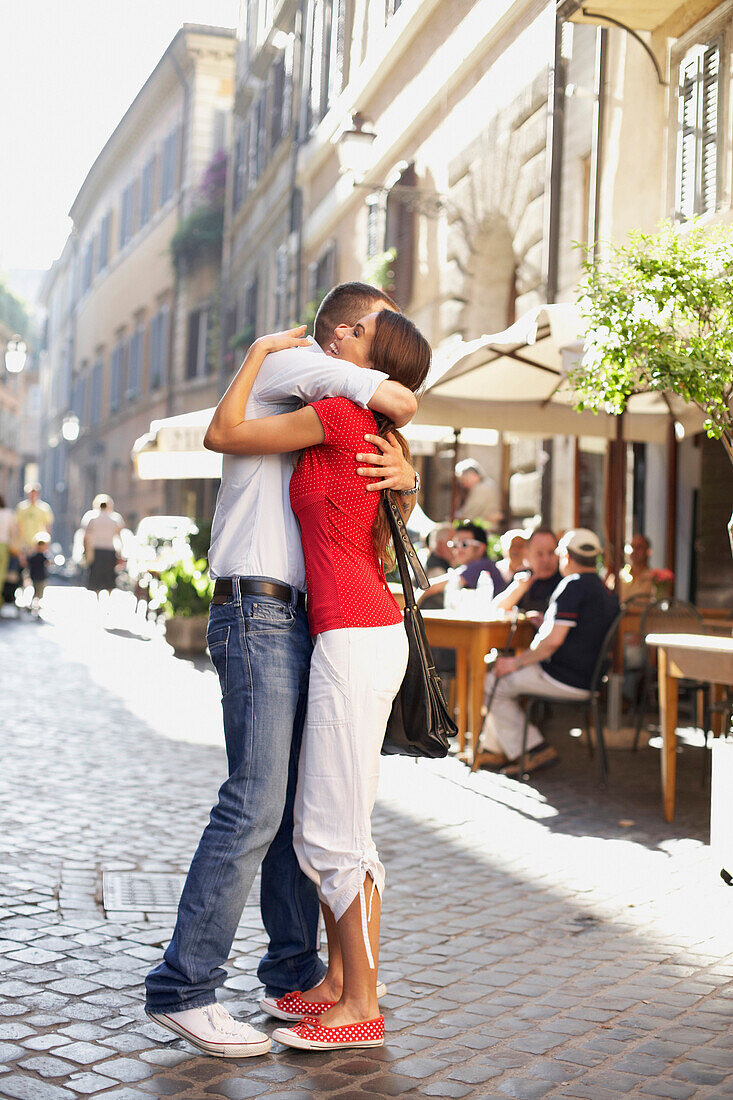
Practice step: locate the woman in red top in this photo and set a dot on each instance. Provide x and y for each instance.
(358, 664)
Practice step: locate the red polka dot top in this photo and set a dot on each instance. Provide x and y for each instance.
(346, 584)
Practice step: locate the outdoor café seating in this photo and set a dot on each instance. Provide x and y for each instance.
(590, 707)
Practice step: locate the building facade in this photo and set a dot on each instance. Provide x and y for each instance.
(648, 124)
(133, 336)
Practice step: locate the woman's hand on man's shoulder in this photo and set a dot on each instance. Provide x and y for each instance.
(281, 341)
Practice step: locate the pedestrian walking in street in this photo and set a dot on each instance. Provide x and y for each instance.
(32, 515)
(37, 563)
(102, 527)
(358, 664)
(260, 645)
(8, 540)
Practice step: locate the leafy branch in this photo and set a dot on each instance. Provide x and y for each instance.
(658, 313)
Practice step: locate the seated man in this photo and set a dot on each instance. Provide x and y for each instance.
(530, 591)
(560, 662)
(513, 546)
(470, 559)
(637, 577)
(441, 555)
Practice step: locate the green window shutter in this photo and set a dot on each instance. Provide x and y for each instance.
(686, 153)
(710, 127)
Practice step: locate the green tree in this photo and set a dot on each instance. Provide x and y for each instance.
(658, 313)
(13, 312)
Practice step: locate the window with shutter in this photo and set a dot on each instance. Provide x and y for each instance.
(104, 234)
(146, 192)
(115, 376)
(95, 397)
(276, 102)
(135, 362)
(710, 128)
(699, 115)
(400, 235)
(192, 347)
(281, 284)
(317, 63)
(338, 75)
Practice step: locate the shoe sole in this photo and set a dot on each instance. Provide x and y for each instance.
(269, 1005)
(217, 1050)
(288, 1039)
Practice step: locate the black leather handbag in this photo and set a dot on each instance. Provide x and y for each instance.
(420, 723)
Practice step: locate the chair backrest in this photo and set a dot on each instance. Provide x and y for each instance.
(671, 617)
(605, 655)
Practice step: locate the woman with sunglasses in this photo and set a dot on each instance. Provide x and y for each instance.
(359, 660)
(470, 561)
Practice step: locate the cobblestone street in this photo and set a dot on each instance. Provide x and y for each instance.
(546, 939)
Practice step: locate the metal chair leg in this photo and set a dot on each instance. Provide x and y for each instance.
(589, 730)
(523, 757)
(641, 708)
(601, 743)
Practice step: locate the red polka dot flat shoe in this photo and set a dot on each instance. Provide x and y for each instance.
(292, 1007)
(310, 1035)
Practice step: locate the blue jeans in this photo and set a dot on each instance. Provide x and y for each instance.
(261, 649)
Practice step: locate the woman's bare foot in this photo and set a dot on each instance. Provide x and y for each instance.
(353, 1012)
(330, 989)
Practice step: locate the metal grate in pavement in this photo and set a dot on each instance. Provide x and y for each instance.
(149, 891)
(140, 891)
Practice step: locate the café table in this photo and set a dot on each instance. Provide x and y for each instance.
(688, 656)
(472, 639)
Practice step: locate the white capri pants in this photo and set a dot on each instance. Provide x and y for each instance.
(355, 674)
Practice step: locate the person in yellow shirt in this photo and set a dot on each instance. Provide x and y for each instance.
(32, 516)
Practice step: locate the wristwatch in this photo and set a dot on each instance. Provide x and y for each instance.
(415, 489)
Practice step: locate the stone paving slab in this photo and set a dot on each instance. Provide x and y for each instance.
(533, 945)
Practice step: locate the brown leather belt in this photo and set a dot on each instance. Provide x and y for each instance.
(252, 586)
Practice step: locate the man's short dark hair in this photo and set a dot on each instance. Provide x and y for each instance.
(541, 529)
(345, 304)
(475, 530)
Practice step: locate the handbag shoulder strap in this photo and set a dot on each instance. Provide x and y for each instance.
(404, 550)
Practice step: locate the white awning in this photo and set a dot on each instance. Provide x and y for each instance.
(173, 449)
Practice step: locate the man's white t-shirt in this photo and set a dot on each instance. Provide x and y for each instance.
(102, 528)
(254, 532)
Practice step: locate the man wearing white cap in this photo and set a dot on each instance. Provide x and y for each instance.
(559, 664)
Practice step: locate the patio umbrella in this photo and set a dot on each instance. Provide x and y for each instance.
(517, 380)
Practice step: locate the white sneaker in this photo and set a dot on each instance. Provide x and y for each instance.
(215, 1031)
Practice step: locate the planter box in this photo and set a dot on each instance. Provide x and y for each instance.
(187, 634)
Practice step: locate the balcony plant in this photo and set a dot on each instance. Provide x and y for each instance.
(199, 236)
(658, 312)
(379, 270)
(188, 592)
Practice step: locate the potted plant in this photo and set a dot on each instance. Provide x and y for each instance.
(188, 592)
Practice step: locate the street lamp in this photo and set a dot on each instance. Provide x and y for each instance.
(70, 428)
(353, 147)
(15, 355)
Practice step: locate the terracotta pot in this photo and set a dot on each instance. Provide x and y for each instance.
(187, 634)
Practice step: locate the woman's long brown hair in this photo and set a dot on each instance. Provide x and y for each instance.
(400, 351)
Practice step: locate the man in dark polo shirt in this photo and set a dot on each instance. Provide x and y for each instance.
(531, 591)
(560, 662)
